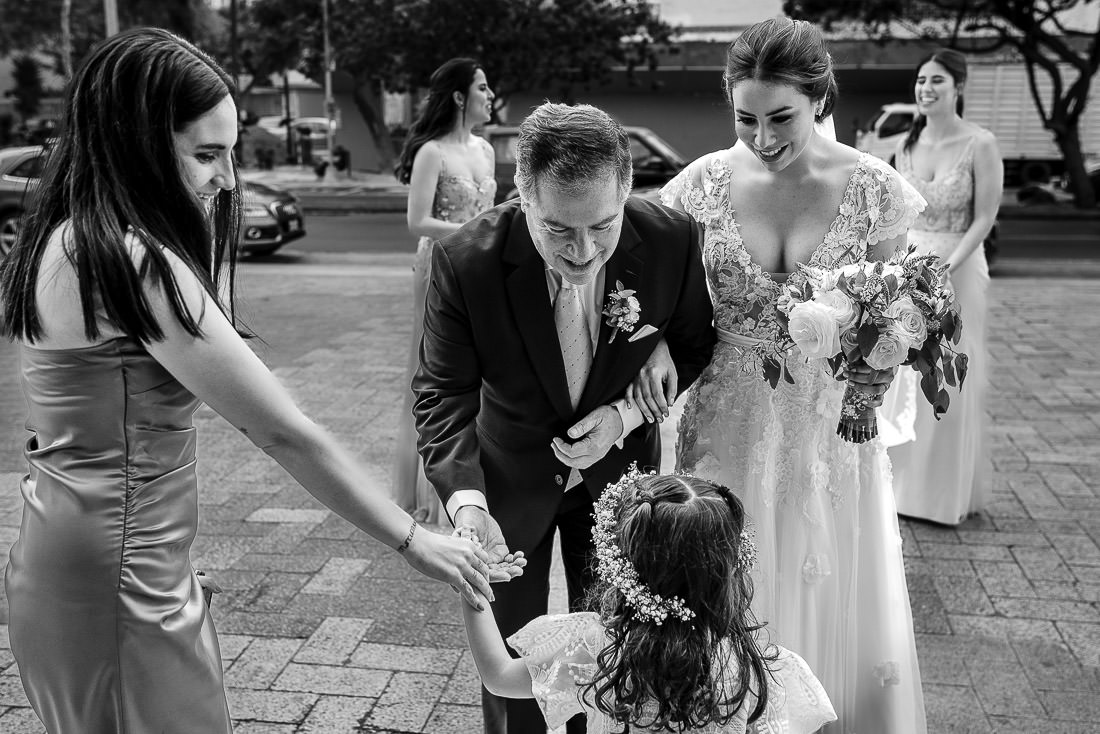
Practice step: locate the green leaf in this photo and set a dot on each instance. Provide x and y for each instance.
(867, 337)
(771, 371)
(949, 371)
(961, 362)
(941, 403)
(930, 386)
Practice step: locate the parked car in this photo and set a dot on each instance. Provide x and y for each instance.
(318, 132)
(271, 217)
(655, 161)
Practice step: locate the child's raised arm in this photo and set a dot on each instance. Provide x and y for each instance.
(500, 673)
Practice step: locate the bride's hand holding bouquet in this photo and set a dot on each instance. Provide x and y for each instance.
(876, 315)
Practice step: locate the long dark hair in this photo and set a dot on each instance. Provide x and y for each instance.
(437, 112)
(114, 172)
(683, 536)
(784, 51)
(955, 63)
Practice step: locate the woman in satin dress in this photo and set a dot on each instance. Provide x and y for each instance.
(112, 294)
(450, 172)
(943, 469)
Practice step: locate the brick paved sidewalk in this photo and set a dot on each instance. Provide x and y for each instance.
(325, 631)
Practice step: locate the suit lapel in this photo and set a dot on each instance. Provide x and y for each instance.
(534, 314)
(624, 267)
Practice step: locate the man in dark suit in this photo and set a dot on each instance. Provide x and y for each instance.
(519, 395)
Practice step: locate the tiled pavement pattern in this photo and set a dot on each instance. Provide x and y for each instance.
(325, 631)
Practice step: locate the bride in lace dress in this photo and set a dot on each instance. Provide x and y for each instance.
(943, 470)
(450, 175)
(830, 581)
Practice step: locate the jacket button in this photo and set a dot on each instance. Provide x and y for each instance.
(559, 479)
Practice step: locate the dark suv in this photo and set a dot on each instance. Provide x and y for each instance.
(271, 217)
(655, 161)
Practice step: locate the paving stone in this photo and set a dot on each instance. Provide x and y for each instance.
(282, 514)
(1042, 563)
(1077, 549)
(1002, 628)
(1016, 725)
(233, 645)
(273, 706)
(1071, 705)
(261, 662)
(261, 727)
(451, 718)
(954, 710)
(407, 702)
(23, 721)
(11, 691)
(942, 660)
(1084, 640)
(334, 641)
(340, 715)
(332, 680)
(1003, 579)
(1006, 690)
(336, 576)
(963, 595)
(413, 659)
(1047, 609)
(972, 552)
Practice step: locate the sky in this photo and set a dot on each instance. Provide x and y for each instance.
(718, 12)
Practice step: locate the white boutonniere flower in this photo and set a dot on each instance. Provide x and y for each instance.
(622, 310)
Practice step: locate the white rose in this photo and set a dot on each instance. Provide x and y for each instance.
(814, 330)
(890, 350)
(908, 319)
(845, 310)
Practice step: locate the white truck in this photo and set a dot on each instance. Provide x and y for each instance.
(998, 98)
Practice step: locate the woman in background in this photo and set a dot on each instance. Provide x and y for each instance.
(450, 172)
(942, 469)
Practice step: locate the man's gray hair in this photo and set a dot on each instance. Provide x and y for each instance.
(568, 146)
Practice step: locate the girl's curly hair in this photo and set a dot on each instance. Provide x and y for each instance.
(683, 536)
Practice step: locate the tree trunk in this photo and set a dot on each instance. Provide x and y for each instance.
(67, 39)
(366, 96)
(1069, 142)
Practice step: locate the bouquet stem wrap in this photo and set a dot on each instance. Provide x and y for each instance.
(858, 421)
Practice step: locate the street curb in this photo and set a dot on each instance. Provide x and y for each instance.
(336, 204)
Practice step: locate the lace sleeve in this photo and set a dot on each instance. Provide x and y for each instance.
(894, 207)
(672, 193)
(796, 700)
(560, 653)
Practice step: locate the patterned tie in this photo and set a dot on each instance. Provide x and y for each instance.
(573, 335)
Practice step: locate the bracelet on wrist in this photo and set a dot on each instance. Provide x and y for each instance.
(408, 538)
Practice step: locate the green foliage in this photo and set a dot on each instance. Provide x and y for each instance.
(35, 25)
(523, 44)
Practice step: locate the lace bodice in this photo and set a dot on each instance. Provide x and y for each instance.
(877, 205)
(460, 198)
(950, 197)
(560, 652)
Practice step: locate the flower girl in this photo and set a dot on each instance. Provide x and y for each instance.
(673, 646)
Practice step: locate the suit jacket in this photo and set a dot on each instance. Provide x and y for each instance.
(491, 390)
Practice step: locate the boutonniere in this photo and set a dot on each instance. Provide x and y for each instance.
(622, 310)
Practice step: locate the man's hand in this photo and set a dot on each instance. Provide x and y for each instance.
(503, 564)
(593, 435)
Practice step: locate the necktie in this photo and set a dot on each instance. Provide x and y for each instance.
(576, 343)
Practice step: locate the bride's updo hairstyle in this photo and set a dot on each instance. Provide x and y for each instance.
(783, 51)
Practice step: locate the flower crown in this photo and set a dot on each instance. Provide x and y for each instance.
(617, 570)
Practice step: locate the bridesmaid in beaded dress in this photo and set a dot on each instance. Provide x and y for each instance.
(942, 469)
(450, 175)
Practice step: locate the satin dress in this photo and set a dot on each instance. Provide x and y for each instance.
(106, 616)
(457, 199)
(943, 469)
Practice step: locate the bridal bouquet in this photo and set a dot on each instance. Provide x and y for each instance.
(882, 314)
